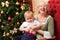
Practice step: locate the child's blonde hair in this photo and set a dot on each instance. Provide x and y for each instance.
(28, 13)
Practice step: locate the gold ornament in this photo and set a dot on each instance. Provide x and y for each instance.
(17, 13)
(17, 3)
(3, 4)
(7, 34)
(7, 4)
(22, 7)
(4, 34)
(15, 29)
(2, 12)
(2, 26)
(18, 23)
(24, 4)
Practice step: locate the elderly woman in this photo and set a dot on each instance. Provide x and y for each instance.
(47, 29)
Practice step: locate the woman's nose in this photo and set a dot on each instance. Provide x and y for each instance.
(43, 9)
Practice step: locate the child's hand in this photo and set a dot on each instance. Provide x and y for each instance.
(32, 32)
(27, 29)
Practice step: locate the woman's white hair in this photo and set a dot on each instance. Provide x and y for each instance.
(44, 4)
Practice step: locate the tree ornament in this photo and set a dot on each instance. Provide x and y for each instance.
(7, 4)
(2, 26)
(2, 12)
(15, 30)
(3, 4)
(17, 3)
(7, 34)
(22, 7)
(24, 4)
(11, 31)
(9, 18)
(4, 34)
(25, 0)
(18, 23)
(21, 4)
(17, 13)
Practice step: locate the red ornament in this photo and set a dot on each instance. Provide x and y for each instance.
(21, 4)
(9, 18)
(25, 0)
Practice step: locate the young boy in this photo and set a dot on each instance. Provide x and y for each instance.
(29, 26)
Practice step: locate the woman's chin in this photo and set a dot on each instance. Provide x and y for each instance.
(42, 12)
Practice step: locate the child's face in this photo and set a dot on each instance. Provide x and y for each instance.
(29, 17)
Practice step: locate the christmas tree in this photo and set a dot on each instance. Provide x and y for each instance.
(11, 17)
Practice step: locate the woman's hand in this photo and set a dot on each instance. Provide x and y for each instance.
(40, 32)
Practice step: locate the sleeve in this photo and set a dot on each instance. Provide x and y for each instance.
(48, 34)
(23, 25)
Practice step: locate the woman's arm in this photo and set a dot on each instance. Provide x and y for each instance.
(51, 26)
(38, 26)
(50, 32)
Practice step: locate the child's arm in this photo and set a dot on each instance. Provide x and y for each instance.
(23, 28)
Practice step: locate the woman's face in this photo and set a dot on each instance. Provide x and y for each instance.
(42, 8)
